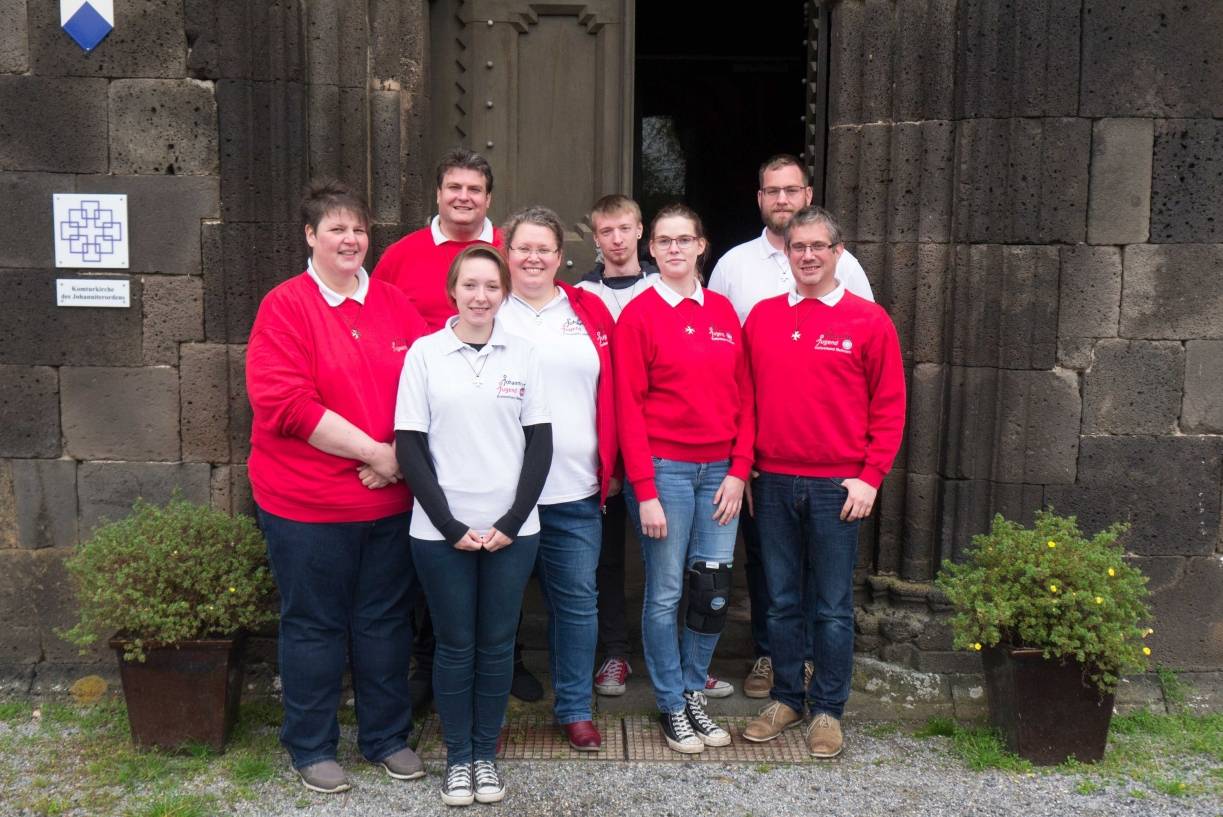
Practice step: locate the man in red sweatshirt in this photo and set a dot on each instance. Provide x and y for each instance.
(830, 408)
(418, 262)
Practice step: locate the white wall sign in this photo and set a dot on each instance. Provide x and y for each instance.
(92, 292)
(87, 21)
(90, 230)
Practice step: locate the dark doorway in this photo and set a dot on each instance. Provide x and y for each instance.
(715, 96)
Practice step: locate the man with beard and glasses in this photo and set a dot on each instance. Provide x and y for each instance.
(748, 274)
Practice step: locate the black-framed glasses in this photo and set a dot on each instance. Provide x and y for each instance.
(684, 242)
(814, 246)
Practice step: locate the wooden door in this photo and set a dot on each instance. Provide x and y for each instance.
(545, 91)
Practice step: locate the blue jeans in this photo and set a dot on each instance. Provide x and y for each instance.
(686, 491)
(345, 590)
(758, 589)
(474, 599)
(797, 516)
(570, 537)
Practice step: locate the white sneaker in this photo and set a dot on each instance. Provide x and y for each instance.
(717, 688)
(709, 732)
(677, 729)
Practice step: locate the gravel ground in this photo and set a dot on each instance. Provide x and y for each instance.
(880, 774)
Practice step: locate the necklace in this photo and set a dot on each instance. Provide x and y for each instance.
(476, 380)
(352, 325)
(797, 334)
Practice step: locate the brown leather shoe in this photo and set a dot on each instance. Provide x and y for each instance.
(824, 739)
(771, 722)
(759, 681)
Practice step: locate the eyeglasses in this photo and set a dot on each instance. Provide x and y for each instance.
(544, 253)
(791, 192)
(814, 246)
(684, 242)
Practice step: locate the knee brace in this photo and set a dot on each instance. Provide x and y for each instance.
(708, 597)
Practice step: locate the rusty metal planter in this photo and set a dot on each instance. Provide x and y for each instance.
(1046, 710)
(183, 694)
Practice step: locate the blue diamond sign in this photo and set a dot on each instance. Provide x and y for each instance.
(87, 21)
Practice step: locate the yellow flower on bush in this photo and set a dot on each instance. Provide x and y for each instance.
(1146, 650)
(1099, 599)
(1052, 544)
(977, 646)
(233, 589)
(1053, 588)
(1112, 572)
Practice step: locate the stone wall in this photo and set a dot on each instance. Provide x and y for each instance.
(1035, 190)
(210, 116)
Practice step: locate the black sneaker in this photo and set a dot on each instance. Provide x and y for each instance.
(677, 730)
(457, 789)
(525, 686)
(709, 732)
(490, 788)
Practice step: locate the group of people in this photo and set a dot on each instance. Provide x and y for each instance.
(530, 421)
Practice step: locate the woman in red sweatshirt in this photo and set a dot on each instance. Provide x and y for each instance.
(322, 372)
(684, 410)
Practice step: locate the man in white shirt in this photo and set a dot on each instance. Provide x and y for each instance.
(758, 269)
(748, 274)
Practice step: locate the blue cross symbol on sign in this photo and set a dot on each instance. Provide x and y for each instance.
(91, 231)
(87, 21)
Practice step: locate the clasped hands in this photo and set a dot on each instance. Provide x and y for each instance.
(382, 469)
(491, 541)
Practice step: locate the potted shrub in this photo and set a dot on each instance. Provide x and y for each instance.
(1059, 617)
(177, 585)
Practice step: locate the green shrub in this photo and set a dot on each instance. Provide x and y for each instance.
(167, 574)
(1052, 589)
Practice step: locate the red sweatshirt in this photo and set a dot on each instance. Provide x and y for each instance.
(682, 387)
(597, 320)
(831, 404)
(419, 267)
(301, 360)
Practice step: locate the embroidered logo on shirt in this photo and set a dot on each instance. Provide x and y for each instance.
(399, 345)
(834, 343)
(719, 335)
(515, 389)
(573, 326)
(601, 339)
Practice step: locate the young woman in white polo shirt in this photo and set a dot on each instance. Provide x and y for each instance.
(684, 411)
(571, 330)
(474, 441)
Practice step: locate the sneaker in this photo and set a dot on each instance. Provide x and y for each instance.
(612, 677)
(326, 776)
(709, 732)
(403, 765)
(759, 681)
(525, 686)
(677, 729)
(808, 674)
(456, 786)
(490, 788)
(824, 737)
(717, 688)
(771, 722)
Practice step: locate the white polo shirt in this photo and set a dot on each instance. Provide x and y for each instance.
(617, 299)
(753, 271)
(475, 430)
(570, 365)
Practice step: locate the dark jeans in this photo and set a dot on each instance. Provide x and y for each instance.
(569, 540)
(475, 598)
(609, 577)
(758, 591)
(345, 593)
(797, 516)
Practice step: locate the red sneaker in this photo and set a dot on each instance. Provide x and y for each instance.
(717, 688)
(583, 736)
(612, 677)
